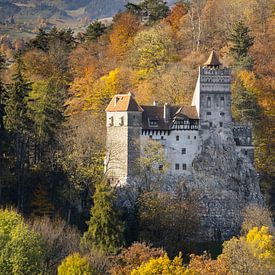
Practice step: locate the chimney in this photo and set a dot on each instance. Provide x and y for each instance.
(155, 103)
(166, 112)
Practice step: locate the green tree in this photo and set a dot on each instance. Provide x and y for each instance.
(76, 265)
(17, 123)
(94, 30)
(105, 232)
(149, 10)
(241, 43)
(152, 50)
(22, 251)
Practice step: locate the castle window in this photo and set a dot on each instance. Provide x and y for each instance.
(134, 117)
(153, 123)
(188, 137)
(222, 114)
(210, 124)
(208, 102)
(195, 137)
(221, 124)
(208, 113)
(245, 152)
(111, 123)
(177, 138)
(177, 166)
(184, 166)
(222, 101)
(121, 121)
(183, 151)
(150, 136)
(162, 137)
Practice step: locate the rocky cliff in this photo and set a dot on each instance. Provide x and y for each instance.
(226, 182)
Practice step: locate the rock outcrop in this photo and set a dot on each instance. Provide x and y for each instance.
(226, 182)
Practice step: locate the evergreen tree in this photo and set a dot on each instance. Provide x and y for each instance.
(40, 203)
(105, 232)
(149, 10)
(241, 43)
(18, 125)
(94, 30)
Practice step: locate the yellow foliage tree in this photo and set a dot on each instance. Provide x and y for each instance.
(252, 254)
(162, 266)
(76, 265)
(94, 95)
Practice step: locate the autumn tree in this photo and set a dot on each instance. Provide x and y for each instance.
(105, 229)
(250, 254)
(123, 31)
(62, 239)
(76, 264)
(256, 216)
(166, 220)
(133, 256)
(162, 265)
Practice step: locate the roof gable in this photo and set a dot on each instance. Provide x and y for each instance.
(213, 60)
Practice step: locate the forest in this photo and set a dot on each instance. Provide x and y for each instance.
(58, 212)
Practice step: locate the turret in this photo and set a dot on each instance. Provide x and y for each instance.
(124, 120)
(212, 96)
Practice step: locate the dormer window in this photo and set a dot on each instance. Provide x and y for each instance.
(111, 121)
(153, 122)
(121, 123)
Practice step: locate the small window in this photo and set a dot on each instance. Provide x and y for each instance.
(121, 121)
(245, 152)
(183, 151)
(160, 167)
(150, 136)
(222, 101)
(209, 102)
(153, 123)
(210, 124)
(134, 117)
(195, 137)
(177, 138)
(177, 166)
(162, 137)
(222, 114)
(188, 137)
(111, 123)
(184, 166)
(221, 124)
(208, 113)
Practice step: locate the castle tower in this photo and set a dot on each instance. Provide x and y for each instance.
(124, 122)
(212, 96)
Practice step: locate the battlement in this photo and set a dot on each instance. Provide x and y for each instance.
(215, 71)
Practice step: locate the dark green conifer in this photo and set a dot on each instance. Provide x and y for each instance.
(105, 232)
(94, 30)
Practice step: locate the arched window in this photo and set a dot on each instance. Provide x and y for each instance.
(208, 102)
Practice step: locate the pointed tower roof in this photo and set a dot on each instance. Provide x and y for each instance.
(213, 60)
(123, 103)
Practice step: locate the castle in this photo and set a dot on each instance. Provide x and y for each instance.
(180, 129)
